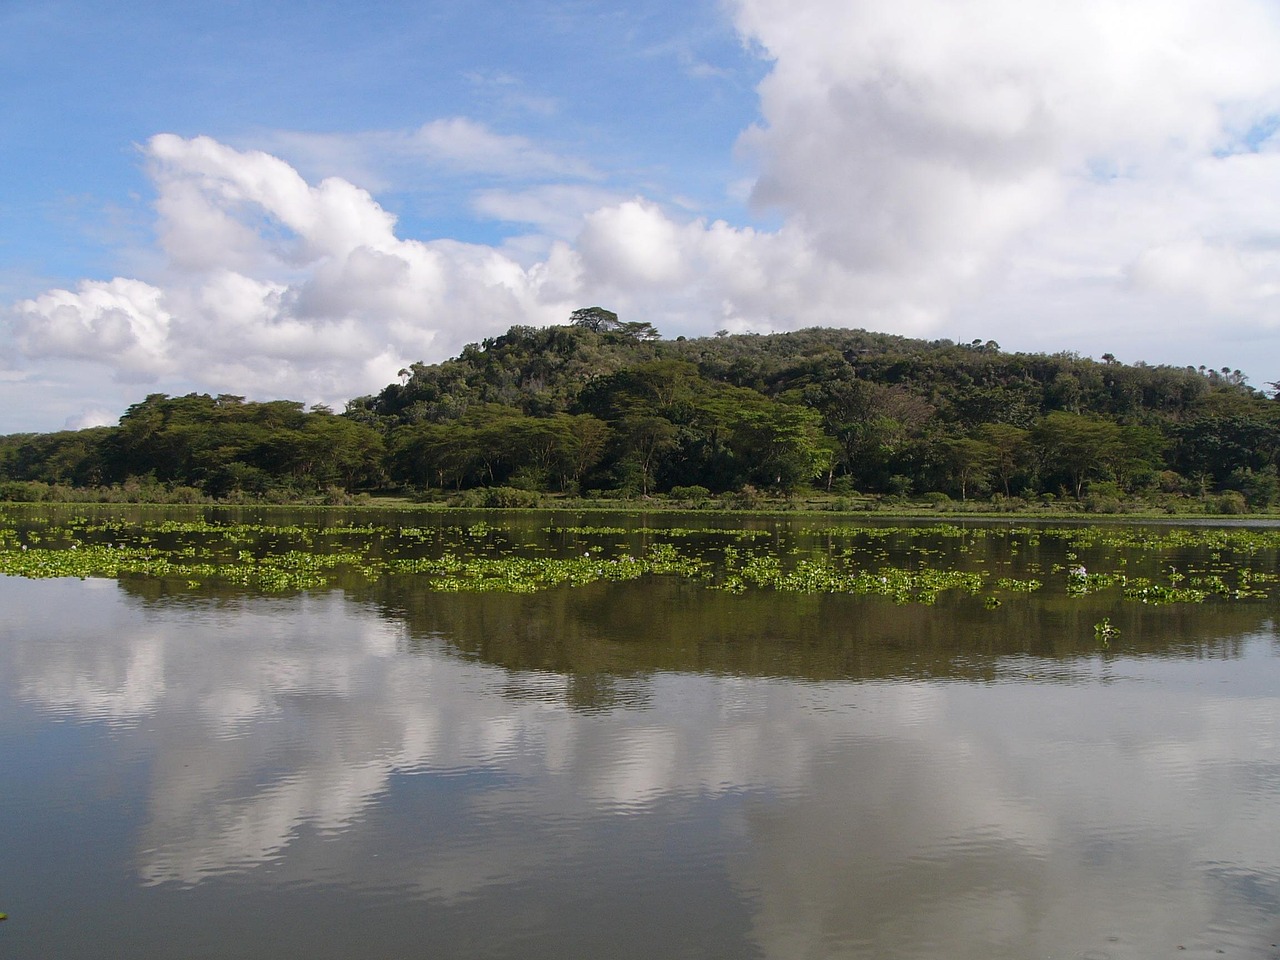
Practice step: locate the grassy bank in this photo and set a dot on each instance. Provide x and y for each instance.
(747, 500)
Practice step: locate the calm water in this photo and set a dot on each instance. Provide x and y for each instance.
(646, 769)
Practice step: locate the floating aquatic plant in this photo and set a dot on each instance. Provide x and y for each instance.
(906, 564)
(1105, 631)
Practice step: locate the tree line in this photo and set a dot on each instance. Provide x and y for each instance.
(601, 406)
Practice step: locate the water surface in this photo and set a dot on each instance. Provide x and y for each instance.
(647, 768)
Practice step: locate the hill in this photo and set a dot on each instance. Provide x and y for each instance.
(602, 405)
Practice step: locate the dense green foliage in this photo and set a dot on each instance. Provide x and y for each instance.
(606, 406)
(205, 446)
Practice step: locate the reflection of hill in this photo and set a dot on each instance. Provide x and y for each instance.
(296, 742)
(671, 626)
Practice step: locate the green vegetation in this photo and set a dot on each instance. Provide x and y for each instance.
(606, 410)
(1106, 631)
(994, 565)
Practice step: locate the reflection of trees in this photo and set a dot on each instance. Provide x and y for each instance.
(607, 630)
(594, 634)
(870, 819)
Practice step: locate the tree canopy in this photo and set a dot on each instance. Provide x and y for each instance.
(607, 405)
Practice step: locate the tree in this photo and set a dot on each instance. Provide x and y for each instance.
(1010, 447)
(968, 460)
(1213, 447)
(588, 438)
(597, 319)
(343, 453)
(1077, 445)
(73, 457)
(783, 444)
(421, 452)
(641, 330)
(645, 437)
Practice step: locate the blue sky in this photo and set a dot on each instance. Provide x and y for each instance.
(653, 93)
(279, 199)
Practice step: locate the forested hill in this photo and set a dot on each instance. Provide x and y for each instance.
(602, 405)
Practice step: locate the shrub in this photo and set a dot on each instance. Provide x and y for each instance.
(185, 494)
(899, 485)
(695, 495)
(1232, 502)
(1260, 488)
(508, 497)
(528, 478)
(1101, 503)
(1104, 496)
(468, 498)
(843, 484)
(24, 491)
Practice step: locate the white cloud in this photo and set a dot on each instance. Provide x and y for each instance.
(452, 145)
(472, 145)
(1191, 267)
(275, 286)
(125, 320)
(1002, 164)
(918, 141)
(634, 244)
(93, 417)
(559, 210)
(1053, 175)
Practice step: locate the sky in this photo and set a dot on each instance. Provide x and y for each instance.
(287, 200)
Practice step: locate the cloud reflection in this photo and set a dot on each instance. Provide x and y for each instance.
(886, 818)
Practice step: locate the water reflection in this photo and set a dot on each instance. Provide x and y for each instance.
(516, 760)
(1016, 821)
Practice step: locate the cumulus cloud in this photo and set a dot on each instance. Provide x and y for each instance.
(635, 245)
(1006, 164)
(123, 319)
(276, 286)
(1053, 175)
(918, 141)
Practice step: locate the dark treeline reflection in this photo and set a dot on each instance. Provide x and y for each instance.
(665, 625)
(605, 637)
(634, 770)
(593, 633)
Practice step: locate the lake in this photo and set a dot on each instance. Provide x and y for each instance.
(313, 734)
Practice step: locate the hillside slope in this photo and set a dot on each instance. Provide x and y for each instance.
(609, 406)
